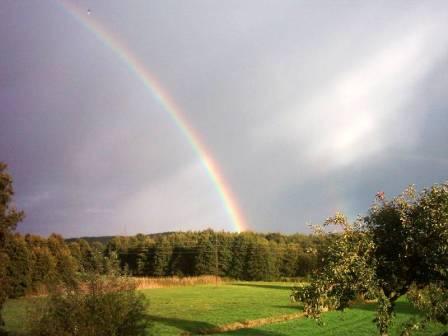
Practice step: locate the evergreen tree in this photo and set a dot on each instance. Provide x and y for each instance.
(224, 253)
(162, 256)
(288, 260)
(182, 261)
(205, 261)
(261, 262)
(142, 264)
(238, 264)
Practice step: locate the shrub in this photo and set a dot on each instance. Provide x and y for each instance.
(100, 306)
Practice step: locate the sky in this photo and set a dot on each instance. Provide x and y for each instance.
(304, 108)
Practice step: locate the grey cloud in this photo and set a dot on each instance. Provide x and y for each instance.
(307, 107)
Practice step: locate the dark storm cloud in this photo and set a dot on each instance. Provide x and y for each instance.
(308, 108)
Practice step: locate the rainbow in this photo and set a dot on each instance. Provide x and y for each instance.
(136, 66)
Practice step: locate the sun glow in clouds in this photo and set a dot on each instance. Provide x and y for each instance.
(85, 17)
(358, 112)
(372, 96)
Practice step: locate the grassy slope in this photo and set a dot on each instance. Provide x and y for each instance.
(357, 321)
(187, 309)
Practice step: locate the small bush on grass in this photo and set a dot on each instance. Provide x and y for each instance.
(99, 306)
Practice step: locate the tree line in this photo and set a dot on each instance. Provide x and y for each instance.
(245, 256)
(36, 262)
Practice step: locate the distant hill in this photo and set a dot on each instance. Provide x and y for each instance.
(90, 240)
(106, 239)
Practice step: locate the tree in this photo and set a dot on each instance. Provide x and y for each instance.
(91, 256)
(306, 263)
(19, 266)
(238, 264)
(224, 253)
(43, 264)
(9, 217)
(288, 261)
(205, 261)
(400, 245)
(66, 265)
(261, 261)
(162, 255)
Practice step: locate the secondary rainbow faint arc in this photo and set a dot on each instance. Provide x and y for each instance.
(150, 82)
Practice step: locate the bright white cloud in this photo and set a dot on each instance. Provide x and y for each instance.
(355, 114)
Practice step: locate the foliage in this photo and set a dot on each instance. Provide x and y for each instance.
(261, 263)
(348, 270)
(102, 305)
(19, 266)
(205, 256)
(432, 302)
(9, 217)
(400, 243)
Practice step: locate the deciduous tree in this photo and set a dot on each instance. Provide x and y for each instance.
(9, 217)
(400, 244)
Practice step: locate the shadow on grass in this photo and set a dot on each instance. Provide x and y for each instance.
(185, 325)
(252, 332)
(263, 286)
(12, 333)
(293, 305)
(401, 307)
(198, 327)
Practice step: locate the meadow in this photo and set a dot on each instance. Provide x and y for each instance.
(259, 306)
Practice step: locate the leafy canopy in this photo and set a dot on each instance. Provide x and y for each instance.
(399, 247)
(9, 217)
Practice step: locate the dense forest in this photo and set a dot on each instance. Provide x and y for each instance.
(38, 261)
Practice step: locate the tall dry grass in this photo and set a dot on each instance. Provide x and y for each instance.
(175, 281)
(145, 283)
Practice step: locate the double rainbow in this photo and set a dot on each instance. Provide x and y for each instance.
(136, 66)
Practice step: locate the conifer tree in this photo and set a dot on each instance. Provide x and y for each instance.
(162, 256)
(205, 257)
(238, 264)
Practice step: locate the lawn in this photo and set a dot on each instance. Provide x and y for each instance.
(181, 310)
(357, 321)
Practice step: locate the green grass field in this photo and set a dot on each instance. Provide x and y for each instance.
(183, 310)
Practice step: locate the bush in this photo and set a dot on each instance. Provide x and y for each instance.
(400, 244)
(100, 306)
